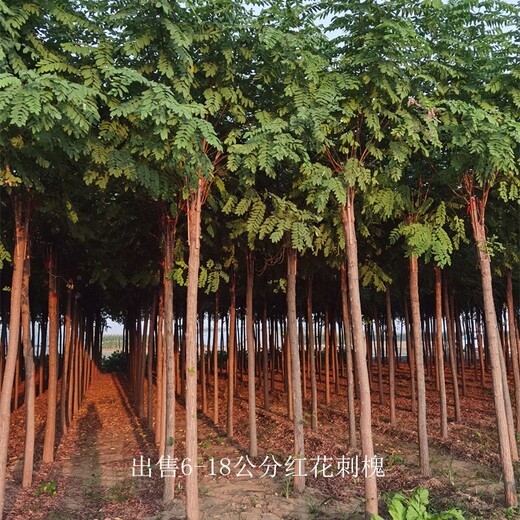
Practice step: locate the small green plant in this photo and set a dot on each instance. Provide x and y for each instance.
(205, 444)
(394, 459)
(48, 488)
(315, 508)
(512, 512)
(286, 487)
(415, 507)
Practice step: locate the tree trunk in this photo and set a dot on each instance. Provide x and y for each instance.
(50, 424)
(250, 338)
(391, 354)
(194, 208)
(231, 355)
(424, 458)
(160, 404)
(21, 220)
(480, 351)
(149, 362)
(453, 355)
(411, 357)
(299, 475)
(512, 341)
(327, 357)
(379, 357)
(215, 359)
(30, 376)
(365, 422)
(492, 332)
(350, 367)
(265, 356)
(66, 355)
(440, 353)
(459, 343)
(312, 357)
(169, 379)
(43, 349)
(203, 375)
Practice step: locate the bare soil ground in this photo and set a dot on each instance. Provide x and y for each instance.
(91, 477)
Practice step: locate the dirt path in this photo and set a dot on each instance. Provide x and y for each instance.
(91, 477)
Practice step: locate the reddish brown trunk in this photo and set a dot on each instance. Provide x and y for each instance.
(424, 458)
(194, 208)
(250, 338)
(168, 378)
(327, 357)
(149, 363)
(367, 445)
(477, 209)
(440, 353)
(203, 378)
(379, 357)
(350, 367)
(30, 376)
(21, 221)
(411, 357)
(265, 357)
(66, 354)
(453, 355)
(215, 359)
(160, 407)
(312, 357)
(512, 342)
(299, 477)
(50, 424)
(390, 352)
(231, 355)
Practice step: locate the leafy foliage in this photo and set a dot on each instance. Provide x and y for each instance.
(415, 507)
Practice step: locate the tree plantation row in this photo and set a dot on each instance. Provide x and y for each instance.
(251, 194)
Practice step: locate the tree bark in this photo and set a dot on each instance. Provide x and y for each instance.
(66, 355)
(169, 379)
(379, 357)
(365, 422)
(194, 208)
(30, 376)
(327, 357)
(350, 366)
(231, 355)
(391, 354)
(411, 357)
(265, 356)
(312, 357)
(299, 476)
(440, 353)
(453, 354)
(215, 359)
(21, 220)
(53, 312)
(250, 338)
(476, 209)
(512, 342)
(149, 362)
(424, 458)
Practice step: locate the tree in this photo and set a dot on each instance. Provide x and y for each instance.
(481, 131)
(43, 111)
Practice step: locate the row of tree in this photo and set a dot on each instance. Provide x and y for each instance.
(149, 145)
